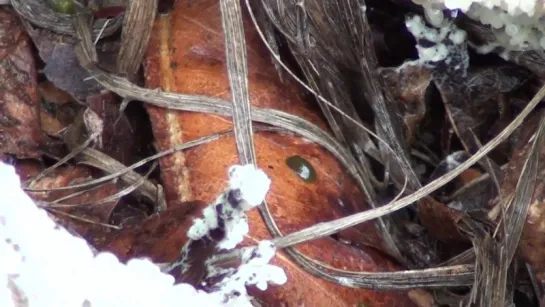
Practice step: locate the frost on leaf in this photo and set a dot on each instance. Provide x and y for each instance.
(247, 189)
(437, 45)
(517, 25)
(223, 226)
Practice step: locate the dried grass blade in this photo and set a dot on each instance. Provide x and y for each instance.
(137, 25)
(488, 270)
(75, 194)
(448, 276)
(121, 172)
(517, 210)
(40, 14)
(126, 191)
(65, 159)
(235, 49)
(81, 219)
(104, 162)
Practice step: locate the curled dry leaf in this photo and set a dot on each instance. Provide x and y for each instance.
(20, 131)
(186, 54)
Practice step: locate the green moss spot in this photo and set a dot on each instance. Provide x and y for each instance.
(302, 168)
(62, 6)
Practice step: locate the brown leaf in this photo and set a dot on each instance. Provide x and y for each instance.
(20, 132)
(159, 237)
(409, 84)
(51, 94)
(83, 209)
(186, 54)
(49, 124)
(199, 173)
(440, 220)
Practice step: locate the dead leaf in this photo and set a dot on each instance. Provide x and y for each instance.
(51, 94)
(49, 124)
(440, 220)
(83, 204)
(473, 97)
(159, 237)
(409, 85)
(20, 131)
(199, 173)
(186, 54)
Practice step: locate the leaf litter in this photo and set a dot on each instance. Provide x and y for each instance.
(331, 45)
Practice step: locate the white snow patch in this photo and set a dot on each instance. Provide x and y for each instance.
(519, 25)
(252, 182)
(50, 267)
